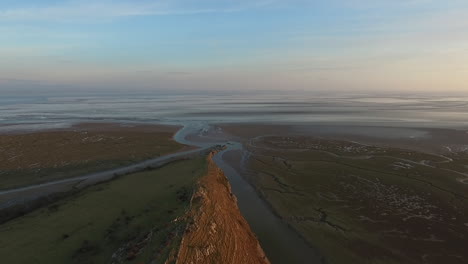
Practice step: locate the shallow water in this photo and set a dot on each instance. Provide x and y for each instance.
(30, 112)
(280, 243)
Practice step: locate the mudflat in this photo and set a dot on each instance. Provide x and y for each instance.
(362, 199)
(422, 139)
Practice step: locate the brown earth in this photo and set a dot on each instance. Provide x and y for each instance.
(217, 232)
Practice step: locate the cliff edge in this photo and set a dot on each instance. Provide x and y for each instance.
(217, 232)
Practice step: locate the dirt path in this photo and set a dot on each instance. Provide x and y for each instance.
(218, 233)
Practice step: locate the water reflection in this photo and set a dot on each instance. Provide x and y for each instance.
(28, 112)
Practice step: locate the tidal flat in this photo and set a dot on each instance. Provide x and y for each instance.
(350, 195)
(361, 203)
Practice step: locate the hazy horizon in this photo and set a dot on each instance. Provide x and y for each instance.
(80, 91)
(346, 46)
(233, 131)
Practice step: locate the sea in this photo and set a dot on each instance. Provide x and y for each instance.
(33, 112)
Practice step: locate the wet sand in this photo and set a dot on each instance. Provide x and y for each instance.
(430, 140)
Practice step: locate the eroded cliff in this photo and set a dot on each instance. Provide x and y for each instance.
(217, 232)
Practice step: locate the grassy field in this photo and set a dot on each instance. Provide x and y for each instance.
(361, 204)
(128, 220)
(32, 158)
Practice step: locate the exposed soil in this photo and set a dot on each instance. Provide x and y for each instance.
(217, 232)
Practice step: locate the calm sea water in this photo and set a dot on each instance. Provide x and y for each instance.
(35, 112)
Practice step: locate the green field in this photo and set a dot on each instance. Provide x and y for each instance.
(27, 159)
(360, 204)
(128, 220)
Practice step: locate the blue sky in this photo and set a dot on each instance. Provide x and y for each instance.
(352, 45)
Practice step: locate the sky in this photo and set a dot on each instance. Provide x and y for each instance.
(334, 45)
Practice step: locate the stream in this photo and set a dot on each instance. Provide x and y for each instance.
(280, 242)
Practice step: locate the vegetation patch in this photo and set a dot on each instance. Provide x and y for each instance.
(133, 219)
(365, 204)
(27, 159)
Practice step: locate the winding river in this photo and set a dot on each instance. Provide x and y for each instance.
(280, 243)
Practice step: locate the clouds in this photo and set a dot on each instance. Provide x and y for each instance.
(230, 43)
(82, 10)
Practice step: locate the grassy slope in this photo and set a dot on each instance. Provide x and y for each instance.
(88, 228)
